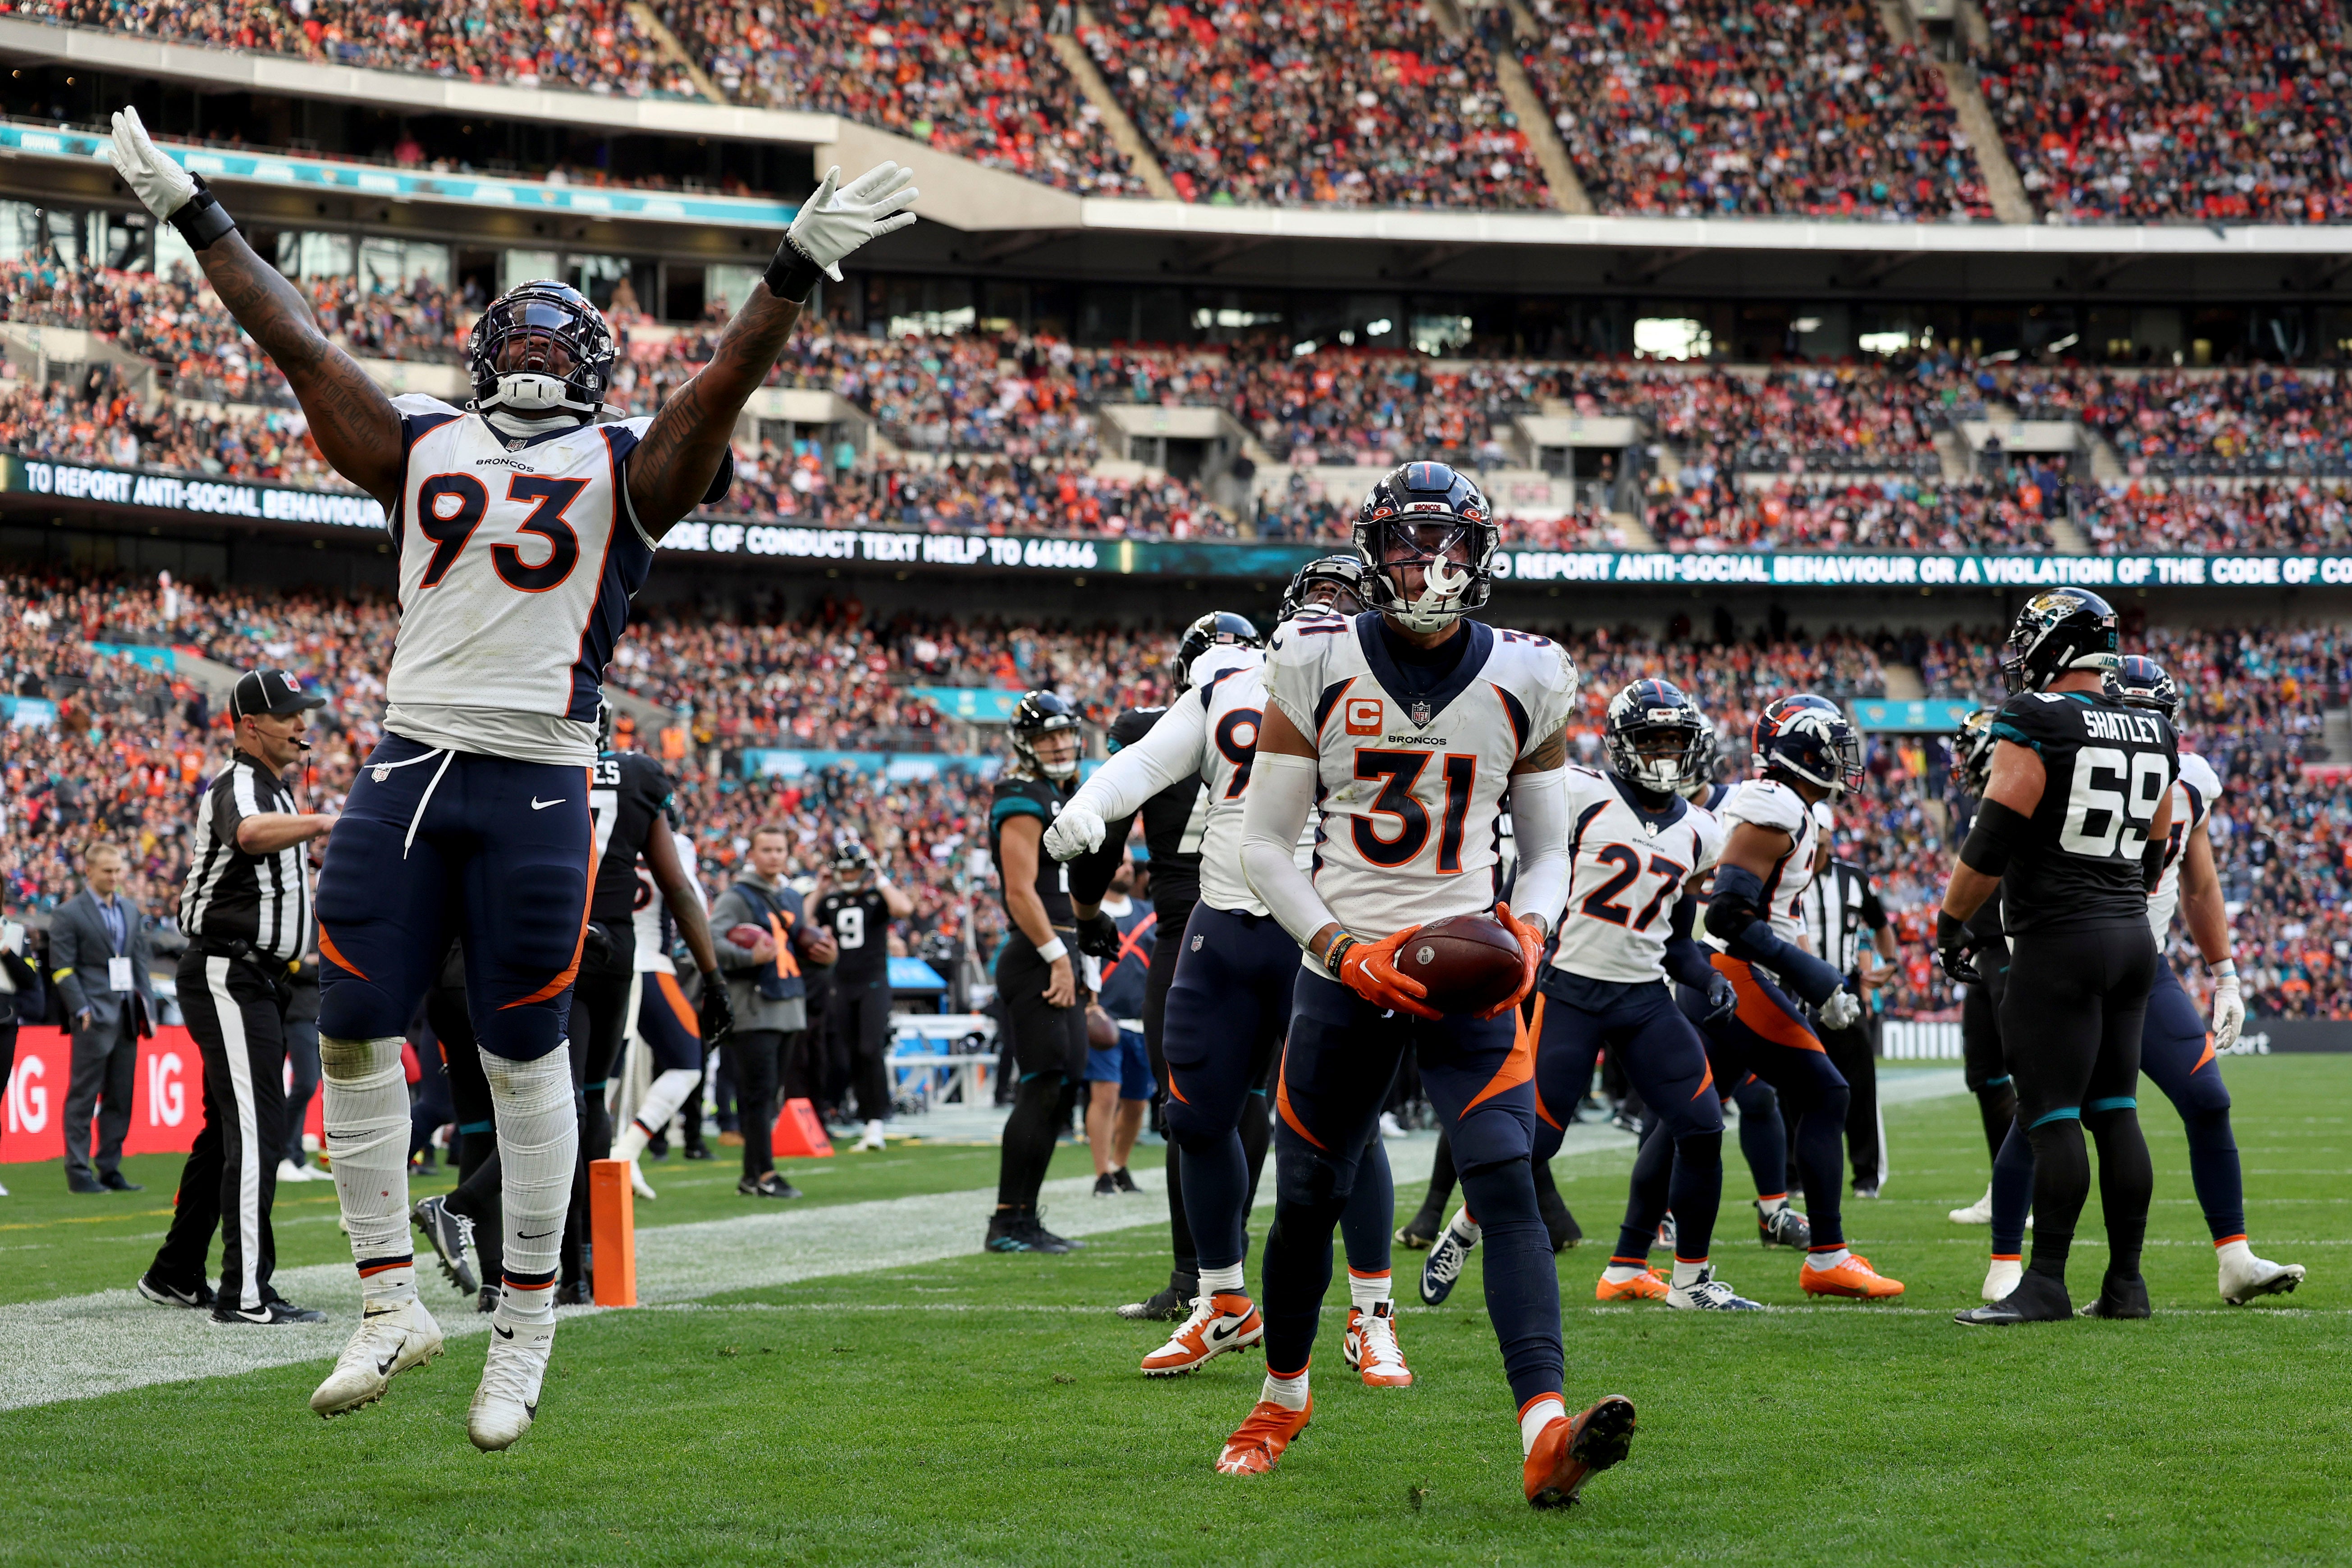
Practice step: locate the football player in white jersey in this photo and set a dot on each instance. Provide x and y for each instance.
(522, 528)
(1232, 998)
(1637, 851)
(2175, 1049)
(1805, 753)
(664, 1033)
(1406, 724)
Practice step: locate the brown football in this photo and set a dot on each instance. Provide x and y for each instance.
(1470, 963)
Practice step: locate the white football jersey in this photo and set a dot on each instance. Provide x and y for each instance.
(517, 563)
(1626, 870)
(1769, 802)
(1410, 787)
(1232, 707)
(652, 919)
(2193, 795)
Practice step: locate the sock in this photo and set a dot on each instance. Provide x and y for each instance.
(1028, 1140)
(663, 1097)
(1763, 1136)
(2126, 1185)
(1772, 1205)
(631, 1143)
(1695, 1192)
(1647, 1192)
(1290, 1393)
(1367, 1225)
(1535, 1416)
(2062, 1181)
(2012, 1190)
(366, 1113)
(1687, 1270)
(539, 1144)
(2213, 1168)
(1625, 1267)
(2233, 1250)
(1827, 1256)
(1521, 1276)
(1996, 1106)
(1820, 1148)
(1466, 1229)
(1216, 1187)
(1366, 1291)
(1226, 1281)
(1441, 1175)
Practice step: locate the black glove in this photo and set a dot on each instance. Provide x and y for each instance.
(595, 947)
(1722, 996)
(715, 1013)
(1098, 936)
(1957, 950)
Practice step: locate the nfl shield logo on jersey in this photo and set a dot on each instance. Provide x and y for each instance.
(1420, 714)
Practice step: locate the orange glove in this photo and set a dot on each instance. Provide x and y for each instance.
(1530, 960)
(1368, 969)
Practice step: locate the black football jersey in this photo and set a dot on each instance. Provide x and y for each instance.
(629, 794)
(1172, 823)
(1042, 799)
(2109, 769)
(860, 922)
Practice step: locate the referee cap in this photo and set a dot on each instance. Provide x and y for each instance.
(276, 693)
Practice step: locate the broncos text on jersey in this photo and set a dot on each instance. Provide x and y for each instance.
(2193, 795)
(1627, 868)
(1411, 780)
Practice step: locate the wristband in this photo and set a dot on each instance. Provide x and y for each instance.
(202, 219)
(1054, 951)
(1337, 950)
(790, 276)
(2225, 970)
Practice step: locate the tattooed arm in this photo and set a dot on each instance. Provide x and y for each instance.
(671, 469)
(355, 425)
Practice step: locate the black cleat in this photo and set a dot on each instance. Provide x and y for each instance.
(575, 1293)
(771, 1185)
(1126, 1181)
(197, 1295)
(1105, 1187)
(273, 1313)
(1783, 1228)
(2124, 1297)
(1169, 1305)
(2038, 1298)
(488, 1299)
(1421, 1229)
(1565, 1232)
(698, 1151)
(451, 1237)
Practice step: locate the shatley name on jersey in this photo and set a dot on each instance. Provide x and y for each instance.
(2109, 724)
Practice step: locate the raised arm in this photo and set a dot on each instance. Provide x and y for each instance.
(1172, 750)
(353, 421)
(673, 468)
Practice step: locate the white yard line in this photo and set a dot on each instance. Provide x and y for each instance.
(81, 1347)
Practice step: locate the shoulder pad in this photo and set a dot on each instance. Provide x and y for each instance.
(423, 403)
(1767, 802)
(1134, 724)
(2198, 775)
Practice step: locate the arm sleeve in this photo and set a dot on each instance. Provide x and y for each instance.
(1281, 793)
(1169, 752)
(1539, 824)
(1687, 958)
(1733, 917)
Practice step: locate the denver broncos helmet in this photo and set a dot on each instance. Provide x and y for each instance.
(1807, 737)
(1344, 574)
(2139, 681)
(540, 349)
(1644, 721)
(1430, 516)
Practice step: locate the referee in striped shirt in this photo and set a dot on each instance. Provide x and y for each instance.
(246, 912)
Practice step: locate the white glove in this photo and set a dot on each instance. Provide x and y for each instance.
(161, 185)
(2229, 1014)
(1078, 830)
(833, 223)
(1841, 1010)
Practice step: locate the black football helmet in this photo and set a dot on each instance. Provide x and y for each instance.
(540, 349)
(1344, 574)
(603, 722)
(2060, 629)
(850, 856)
(1641, 716)
(1431, 516)
(2139, 681)
(1040, 715)
(1973, 746)
(1218, 628)
(1808, 737)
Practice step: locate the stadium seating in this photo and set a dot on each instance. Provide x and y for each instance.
(1708, 108)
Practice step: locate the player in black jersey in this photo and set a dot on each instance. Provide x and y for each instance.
(856, 903)
(2072, 827)
(1036, 973)
(1986, 1072)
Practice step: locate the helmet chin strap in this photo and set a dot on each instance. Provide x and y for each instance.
(529, 403)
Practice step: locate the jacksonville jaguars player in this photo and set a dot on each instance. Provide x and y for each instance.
(521, 528)
(1232, 998)
(1406, 724)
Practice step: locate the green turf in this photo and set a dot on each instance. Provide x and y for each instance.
(985, 1409)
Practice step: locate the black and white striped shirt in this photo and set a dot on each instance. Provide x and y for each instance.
(231, 896)
(1841, 913)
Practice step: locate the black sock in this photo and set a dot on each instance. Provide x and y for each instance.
(2126, 1183)
(1028, 1141)
(1997, 1104)
(1647, 1194)
(1441, 1177)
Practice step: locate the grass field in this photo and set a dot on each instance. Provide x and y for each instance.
(971, 1408)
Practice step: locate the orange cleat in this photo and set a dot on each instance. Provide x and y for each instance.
(1219, 1323)
(1647, 1286)
(1260, 1439)
(1569, 1452)
(1372, 1349)
(1854, 1278)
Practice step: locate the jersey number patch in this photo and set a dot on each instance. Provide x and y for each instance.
(1237, 739)
(1602, 904)
(451, 506)
(2105, 823)
(849, 926)
(1399, 772)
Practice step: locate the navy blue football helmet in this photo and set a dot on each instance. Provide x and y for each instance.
(1656, 737)
(540, 349)
(1430, 516)
(1808, 737)
(2139, 681)
(1344, 574)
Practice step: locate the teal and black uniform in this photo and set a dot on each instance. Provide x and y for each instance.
(1045, 1038)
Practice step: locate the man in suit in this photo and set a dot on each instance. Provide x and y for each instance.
(99, 955)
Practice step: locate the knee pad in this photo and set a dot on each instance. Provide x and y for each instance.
(1695, 1118)
(1833, 1102)
(1701, 1151)
(1501, 1192)
(1307, 1177)
(2210, 1129)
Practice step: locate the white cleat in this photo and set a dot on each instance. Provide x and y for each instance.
(390, 1341)
(637, 1183)
(2245, 1276)
(2002, 1278)
(1391, 1127)
(1708, 1294)
(872, 1142)
(507, 1400)
(1977, 1213)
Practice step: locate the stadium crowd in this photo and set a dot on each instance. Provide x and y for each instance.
(129, 746)
(2259, 421)
(1791, 109)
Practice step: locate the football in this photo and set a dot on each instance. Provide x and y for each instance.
(747, 935)
(1470, 963)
